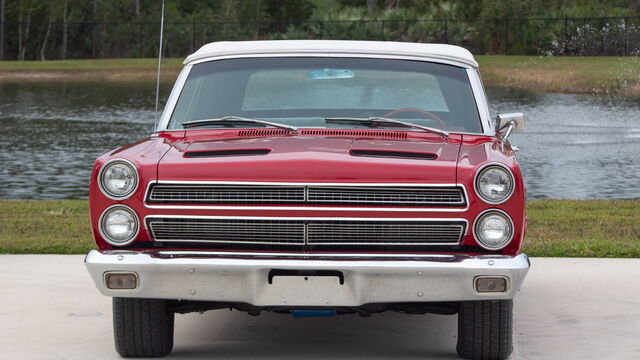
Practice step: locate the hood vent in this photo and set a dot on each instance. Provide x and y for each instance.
(221, 153)
(399, 135)
(394, 154)
(262, 132)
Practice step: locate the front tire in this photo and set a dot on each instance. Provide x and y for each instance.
(485, 329)
(142, 327)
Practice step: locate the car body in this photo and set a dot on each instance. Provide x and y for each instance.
(368, 188)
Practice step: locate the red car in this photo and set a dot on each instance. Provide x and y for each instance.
(315, 178)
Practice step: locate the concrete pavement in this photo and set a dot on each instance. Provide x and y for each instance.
(567, 309)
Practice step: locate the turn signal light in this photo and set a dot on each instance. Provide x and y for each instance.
(491, 284)
(121, 281)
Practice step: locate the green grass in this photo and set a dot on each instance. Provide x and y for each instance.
(558, 228)
(89, 64)
(45, 227)
(603, 74)
(620, 75)
(589, 228)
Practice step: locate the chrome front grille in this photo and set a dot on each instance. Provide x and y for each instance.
(316, 232)
(227, 231)
(222, 194)
(321, 195)
(382, 233)
(384, 195)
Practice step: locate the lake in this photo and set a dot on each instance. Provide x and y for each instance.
(574, 147)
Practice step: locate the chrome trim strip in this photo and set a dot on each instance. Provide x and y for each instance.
(173, 99)
(482, 103)
(204, 253)
(304, 208)
(481, 169)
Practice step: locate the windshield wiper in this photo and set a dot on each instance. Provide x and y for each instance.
(383, 120)
(236, 119)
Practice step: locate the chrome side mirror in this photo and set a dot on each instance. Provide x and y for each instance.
(507, 123)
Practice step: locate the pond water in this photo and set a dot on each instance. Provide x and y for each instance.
(574, 147)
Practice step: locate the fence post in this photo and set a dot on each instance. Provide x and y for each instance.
(140, 39)
(193, 36)
(626, 37)
(506, 36)
(446, 31)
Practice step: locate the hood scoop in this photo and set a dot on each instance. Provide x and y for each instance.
(393, 154)
(397, 135)
(223, 153)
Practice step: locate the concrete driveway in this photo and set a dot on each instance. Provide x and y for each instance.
(567, 309)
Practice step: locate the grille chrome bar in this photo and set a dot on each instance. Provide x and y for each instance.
(222, 194)
(231, 194)
(310, 231)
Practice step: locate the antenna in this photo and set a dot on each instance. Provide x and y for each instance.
(155, 123)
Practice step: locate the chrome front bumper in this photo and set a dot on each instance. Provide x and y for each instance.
(245, 278)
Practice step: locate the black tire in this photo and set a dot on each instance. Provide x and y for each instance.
(142, 327)
(485, 329)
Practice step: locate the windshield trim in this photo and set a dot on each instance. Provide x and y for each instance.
(477, 88)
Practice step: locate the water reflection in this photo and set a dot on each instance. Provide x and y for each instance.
(54, 131)
(575, 146)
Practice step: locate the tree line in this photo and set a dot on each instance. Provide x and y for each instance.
(60, 29)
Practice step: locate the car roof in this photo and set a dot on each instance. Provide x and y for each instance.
(449, 53)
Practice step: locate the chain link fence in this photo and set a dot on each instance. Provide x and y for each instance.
(511, 36)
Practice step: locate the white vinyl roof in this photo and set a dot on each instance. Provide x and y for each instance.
(296, 47)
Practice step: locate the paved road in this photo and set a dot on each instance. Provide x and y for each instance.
(567, 309)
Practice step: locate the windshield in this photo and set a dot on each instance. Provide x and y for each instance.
(303, 92)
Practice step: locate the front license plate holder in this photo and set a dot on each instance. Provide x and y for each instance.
(295, 288)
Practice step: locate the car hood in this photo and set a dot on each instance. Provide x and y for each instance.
(312, 159)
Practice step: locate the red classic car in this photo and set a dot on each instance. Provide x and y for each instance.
(315, 178)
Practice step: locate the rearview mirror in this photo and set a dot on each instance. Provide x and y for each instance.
(508, 123)
(330, 74)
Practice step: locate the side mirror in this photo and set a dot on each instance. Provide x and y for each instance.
(508, 123)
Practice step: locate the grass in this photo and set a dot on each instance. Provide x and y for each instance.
(557, 228)
(583, 228)
(45, 227)
(619, 75)
(89, 70)
(604, 74)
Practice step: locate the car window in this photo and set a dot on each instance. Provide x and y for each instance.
(304, 91)
(367, 89)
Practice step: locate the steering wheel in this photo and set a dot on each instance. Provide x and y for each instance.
(417, 110)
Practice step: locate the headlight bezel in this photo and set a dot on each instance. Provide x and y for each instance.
(136, 178)
(476, 222)
(481, 171)
(109, 239)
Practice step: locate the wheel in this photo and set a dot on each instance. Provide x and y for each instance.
(142, 327)
(485, 329)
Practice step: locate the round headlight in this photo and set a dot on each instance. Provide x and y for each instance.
(119, 225)
(493, 230)
(494, 184)
(118, 179)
